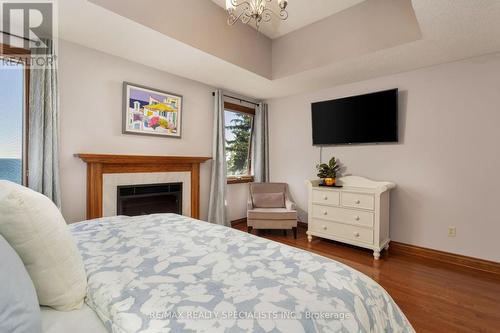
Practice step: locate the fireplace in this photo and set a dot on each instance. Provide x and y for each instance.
(106, 172)
(134, 200)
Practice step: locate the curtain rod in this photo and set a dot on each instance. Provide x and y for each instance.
(239, 99)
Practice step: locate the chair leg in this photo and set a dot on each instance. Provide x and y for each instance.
(294, 232)
(249, 229)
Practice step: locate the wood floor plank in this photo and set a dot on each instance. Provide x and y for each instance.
(435, 297)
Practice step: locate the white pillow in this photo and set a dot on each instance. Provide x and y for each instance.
(35, 228)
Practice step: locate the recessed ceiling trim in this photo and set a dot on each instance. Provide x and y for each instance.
(201, 24)
(365, 28)
(451, 30)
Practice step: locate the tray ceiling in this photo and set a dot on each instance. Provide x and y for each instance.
(449, 30)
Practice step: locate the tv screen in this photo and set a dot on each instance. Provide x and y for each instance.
(370, 118)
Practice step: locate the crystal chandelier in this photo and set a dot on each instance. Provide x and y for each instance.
(256, 10)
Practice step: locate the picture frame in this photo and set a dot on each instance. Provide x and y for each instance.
(149, 111)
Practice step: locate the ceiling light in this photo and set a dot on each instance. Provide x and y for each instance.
(254, 11)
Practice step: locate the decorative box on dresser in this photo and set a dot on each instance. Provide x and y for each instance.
(356, 213)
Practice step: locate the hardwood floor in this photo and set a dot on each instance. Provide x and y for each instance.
(435, 297)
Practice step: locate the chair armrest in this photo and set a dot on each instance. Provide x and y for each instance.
(290, 205)
(249, 203)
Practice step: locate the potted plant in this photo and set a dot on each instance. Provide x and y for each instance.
(328, 172)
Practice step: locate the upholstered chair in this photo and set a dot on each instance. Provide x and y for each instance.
(270, 207)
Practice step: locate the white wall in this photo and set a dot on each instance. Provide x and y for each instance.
(91, 115)
(237, 195)
(446, 165)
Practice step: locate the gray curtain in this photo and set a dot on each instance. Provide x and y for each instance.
(261, 144)
(43, 143)
(217, 204)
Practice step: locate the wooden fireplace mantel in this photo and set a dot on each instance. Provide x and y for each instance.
(99, 164)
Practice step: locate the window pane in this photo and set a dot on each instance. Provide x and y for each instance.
(238, 133)
(11, 121)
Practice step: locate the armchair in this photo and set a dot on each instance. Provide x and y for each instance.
(270, 207)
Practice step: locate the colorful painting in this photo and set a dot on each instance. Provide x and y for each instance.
(151, 112)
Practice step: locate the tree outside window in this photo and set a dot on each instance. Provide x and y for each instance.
(238, 134)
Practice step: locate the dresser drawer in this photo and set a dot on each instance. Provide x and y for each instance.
(344, 231)
(351, 216)
(326, 197)
(358, 200)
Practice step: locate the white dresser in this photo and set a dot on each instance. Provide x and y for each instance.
(357, 213)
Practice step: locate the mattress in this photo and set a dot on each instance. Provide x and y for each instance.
(170, 273)
(84, 320)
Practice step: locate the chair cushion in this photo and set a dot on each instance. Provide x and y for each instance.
(268, 200)
(19, 309)
(267, 187)
(35, 228)
(272, 214)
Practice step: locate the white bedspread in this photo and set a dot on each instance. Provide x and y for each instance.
(169, 273)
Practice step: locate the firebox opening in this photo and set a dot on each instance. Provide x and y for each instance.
(134, 200)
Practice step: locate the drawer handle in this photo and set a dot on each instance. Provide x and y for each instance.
(325, 227)
(357, 218)
(325, 213)
(325, 197)
(356, 234)
(357, 202)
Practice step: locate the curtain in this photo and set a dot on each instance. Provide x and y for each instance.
(217, 204)
(261, 144)
(43, 140)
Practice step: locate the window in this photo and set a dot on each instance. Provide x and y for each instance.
(13, 114)
(239, 129)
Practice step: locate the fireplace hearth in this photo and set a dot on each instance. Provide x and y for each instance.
(134, 200)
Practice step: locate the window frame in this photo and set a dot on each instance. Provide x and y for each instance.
(23, 56)
(237, 108)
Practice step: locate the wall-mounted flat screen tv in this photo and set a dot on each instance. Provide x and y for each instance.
(370, 118)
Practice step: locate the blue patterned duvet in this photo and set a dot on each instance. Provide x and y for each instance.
(169, 273)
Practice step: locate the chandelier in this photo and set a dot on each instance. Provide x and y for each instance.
(256, 10)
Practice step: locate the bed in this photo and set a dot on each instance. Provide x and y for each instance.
(170, 273)
(84, 320)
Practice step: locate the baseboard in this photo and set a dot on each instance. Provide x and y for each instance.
(445, 257)
(430, 254)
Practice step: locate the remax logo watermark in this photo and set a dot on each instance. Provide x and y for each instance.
(29, 26)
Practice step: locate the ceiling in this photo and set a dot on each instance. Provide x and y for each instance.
(300, 14)
(450, 30)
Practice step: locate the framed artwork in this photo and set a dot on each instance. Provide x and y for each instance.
(149, 111)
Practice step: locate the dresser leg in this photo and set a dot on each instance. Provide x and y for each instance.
(294, 232)
(386, 247)
(376, 254)
(249, 229)
(309, 238)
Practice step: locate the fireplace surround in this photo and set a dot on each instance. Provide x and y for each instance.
(99, 165)
(111, 183)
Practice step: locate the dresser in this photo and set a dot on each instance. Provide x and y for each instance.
(356, 214)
